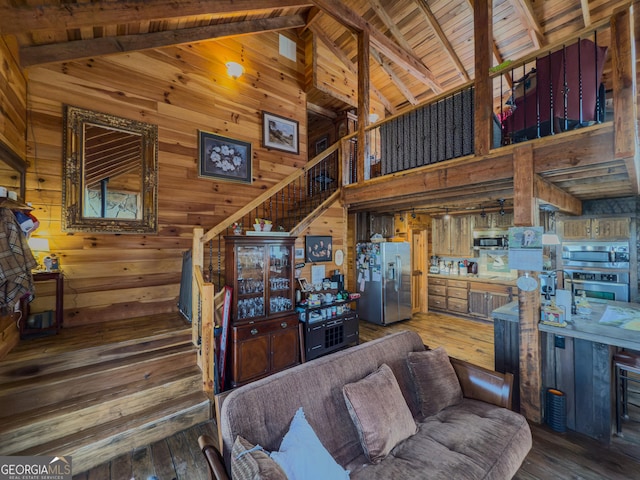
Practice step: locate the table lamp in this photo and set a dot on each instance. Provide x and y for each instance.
(39, 246)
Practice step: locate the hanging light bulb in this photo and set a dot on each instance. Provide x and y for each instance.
(446, 214)
(234, 70)
(483, 214)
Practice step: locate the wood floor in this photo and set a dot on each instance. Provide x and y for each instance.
(559, 456)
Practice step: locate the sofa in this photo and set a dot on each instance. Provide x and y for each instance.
(389, 408)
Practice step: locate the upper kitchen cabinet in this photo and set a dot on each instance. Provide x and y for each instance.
(493, 220)
(615, 228)
(452, 236)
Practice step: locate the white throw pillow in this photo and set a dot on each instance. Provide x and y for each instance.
(303, 457)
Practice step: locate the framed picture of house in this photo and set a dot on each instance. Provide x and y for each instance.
(224, 158)
(318, 248)
(280, 133)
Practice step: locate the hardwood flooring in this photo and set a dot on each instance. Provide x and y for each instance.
(559, 456)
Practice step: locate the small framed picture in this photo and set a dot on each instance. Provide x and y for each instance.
(224, 158)
(280, 133)
(299, 252)
(304, 285)
(317, 248)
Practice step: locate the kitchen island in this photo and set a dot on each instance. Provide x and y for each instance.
(577, 359)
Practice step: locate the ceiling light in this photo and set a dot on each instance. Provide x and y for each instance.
(483, 214)
(234, 70)
(446, 214)
(501, 202)
(373, 117)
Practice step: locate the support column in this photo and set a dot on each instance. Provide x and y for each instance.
(526, 214)
(363, 101)
(483, 42)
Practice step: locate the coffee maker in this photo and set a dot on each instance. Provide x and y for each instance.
(339, 279)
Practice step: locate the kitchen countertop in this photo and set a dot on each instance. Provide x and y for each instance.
(610, 323)
(477, 278)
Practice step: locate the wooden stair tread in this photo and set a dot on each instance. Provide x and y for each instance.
(85, 336)
(25, 430)
(102, 441)
(47, 390)
(48, 363)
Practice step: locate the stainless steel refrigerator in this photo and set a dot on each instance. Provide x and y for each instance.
(384, 281)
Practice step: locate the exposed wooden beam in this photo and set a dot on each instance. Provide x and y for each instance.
(346, 61)
(59, 52)
(324, 112)
(405, 60)
(363, 100)
(483, 39)
(549, 193)
(586, 13)
(394, 78)
(442, 38)
(90, 14)
(391, 25)
(525, 11)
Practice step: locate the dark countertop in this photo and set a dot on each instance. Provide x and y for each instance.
(619, 329)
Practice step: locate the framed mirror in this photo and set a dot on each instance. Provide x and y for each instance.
(110, 173)
(12, 171)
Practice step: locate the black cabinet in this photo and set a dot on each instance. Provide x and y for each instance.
(337, 329)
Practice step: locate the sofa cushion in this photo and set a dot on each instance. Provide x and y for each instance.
(303, 457)
(249, 462)
(435, 379)
(379, 412)
(468, 441)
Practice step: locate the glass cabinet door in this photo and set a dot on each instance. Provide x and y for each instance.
(251, 281)
(280, 288)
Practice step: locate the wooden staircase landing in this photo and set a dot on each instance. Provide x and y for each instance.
(97, 391)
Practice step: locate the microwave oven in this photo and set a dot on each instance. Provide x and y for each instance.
(490, 242)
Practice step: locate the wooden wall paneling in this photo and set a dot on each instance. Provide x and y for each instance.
(13, 99)
(181, 89)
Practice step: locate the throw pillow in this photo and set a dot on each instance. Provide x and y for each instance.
(379, 412)
(302, 455)
(249, 462)
(435, 379)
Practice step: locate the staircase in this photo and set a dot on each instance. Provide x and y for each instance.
(94, 392)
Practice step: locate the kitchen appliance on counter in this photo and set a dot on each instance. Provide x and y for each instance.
(597, 269)
(548, 284)
(384, 281)
(490, 239)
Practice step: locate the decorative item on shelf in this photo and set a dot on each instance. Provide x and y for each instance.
(553, 315)
(262, 225)
(237, 228)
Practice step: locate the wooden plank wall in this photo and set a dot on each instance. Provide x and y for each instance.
(13, 99)
(181, 89)
(13, 115)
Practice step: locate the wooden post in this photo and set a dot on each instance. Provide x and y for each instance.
(526, 214)
(363, 101)
(624, 90)
(208, 346)
(483, 41)
(197, 255)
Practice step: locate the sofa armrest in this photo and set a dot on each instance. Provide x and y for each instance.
(213, 458)
(482, 384)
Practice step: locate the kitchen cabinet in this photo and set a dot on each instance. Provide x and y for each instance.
(493, 220)
(486, 297)
(452, 236)
(448, 295)
(614, 228)
(264, 325)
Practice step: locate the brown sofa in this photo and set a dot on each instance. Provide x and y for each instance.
(475, 438)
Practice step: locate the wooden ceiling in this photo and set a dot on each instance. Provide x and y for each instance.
(419, 48)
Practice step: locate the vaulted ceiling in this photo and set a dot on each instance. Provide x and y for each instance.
(419, 48)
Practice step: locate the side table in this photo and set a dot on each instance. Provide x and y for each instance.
(58, 278)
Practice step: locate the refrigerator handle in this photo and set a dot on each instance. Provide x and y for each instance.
(398, 273)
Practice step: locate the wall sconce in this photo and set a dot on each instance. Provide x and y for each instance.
(373, 117)
(234, 70)
(446, 214)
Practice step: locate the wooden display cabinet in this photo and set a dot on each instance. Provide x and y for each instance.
(264, 325)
